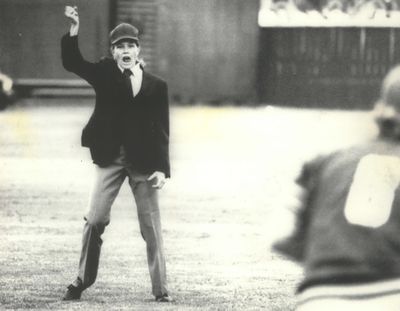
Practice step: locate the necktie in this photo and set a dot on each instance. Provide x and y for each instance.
(127, 77)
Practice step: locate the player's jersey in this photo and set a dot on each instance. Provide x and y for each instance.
(352, 216)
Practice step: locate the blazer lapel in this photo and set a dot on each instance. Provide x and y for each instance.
(145, 84)
(119, 77)
(120, 81)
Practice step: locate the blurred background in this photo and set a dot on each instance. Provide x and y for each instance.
(324, 53)
(256, 88)
(207, 50)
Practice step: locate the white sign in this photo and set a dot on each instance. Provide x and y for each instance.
(329, 13)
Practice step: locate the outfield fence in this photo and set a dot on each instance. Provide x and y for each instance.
(325, 67)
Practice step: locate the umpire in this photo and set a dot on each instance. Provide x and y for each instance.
(128, 136)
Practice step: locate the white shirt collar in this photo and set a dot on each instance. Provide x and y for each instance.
(136, 70)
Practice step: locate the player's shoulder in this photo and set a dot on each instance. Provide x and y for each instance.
(347, 159)
(376, 146)
(155, 78)
(329, 162)
(318, 161)
(107, 65)
(106, 61)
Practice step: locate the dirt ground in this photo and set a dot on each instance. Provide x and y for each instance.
(232, 173)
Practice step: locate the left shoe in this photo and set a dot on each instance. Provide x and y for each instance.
(74, 290)
(164, 298)
(72, 293)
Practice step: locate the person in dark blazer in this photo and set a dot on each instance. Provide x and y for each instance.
(128, 137)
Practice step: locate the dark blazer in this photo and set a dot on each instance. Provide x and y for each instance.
(140, 123)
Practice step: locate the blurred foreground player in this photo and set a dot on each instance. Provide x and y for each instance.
(128, 137)
(347, 233)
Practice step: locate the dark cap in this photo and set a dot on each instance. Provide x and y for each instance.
(124, 31)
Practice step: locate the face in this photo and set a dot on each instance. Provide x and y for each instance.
(125, 53)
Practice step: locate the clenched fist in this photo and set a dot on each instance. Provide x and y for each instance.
(71, 12)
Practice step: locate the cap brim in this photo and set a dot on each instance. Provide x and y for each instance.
(125, 38)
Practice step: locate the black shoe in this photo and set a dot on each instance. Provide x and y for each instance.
(73, 293)
(164, 298)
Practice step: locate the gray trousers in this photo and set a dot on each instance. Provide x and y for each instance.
(108, 182)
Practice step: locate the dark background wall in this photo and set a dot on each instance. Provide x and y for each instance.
(325, 67)
(206, 50)
(30, 33)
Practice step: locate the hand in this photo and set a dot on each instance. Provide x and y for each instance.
(72, 13)
(7, 84)
(159, 178)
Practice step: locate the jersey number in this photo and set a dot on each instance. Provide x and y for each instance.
(370, 199)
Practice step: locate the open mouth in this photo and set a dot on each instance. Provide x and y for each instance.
(126, 59)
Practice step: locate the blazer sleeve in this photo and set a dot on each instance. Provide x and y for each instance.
(73, 61)
(162, 130)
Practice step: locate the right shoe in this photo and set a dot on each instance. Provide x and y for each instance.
(164, 298)
(73, 292)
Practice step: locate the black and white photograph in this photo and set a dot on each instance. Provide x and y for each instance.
(200, 155)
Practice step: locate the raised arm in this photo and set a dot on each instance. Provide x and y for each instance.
(71, 56)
